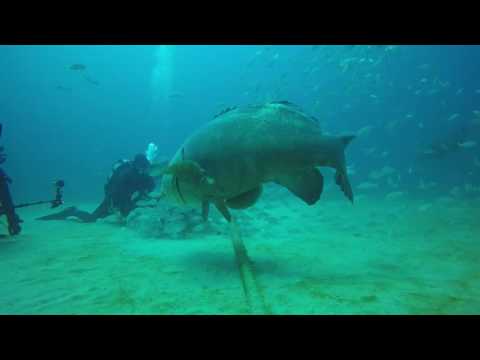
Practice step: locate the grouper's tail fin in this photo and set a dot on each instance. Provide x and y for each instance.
(347, 139)
(341, 177)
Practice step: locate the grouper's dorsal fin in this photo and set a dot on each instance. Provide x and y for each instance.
(285, 102)
(224, 111)
(293, 110)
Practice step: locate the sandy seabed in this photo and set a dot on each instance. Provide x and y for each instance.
(380, 256)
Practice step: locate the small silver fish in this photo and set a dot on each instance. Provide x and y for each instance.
(453, 117)
(467, 144)
(367, 186)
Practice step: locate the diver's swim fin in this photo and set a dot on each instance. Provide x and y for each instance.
(62, 215)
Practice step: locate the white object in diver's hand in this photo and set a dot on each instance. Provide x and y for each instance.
(151, 152)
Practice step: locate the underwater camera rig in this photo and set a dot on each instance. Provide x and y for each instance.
(59, 184)
(7, 208)
(6, 203)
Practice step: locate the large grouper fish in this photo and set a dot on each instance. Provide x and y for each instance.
(226, 161)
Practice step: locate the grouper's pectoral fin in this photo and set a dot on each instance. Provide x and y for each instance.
(220, 205)
(307, 184)
(205, 209)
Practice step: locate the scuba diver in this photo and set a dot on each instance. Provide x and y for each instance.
(7, 207)
(6, 202)
(128, 183)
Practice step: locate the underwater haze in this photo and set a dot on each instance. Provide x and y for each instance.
(409, 244)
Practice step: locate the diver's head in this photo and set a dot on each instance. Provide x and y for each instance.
(141, 163)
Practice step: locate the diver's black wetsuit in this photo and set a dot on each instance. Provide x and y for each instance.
(123, 183)
(126, 179)
(6, 203)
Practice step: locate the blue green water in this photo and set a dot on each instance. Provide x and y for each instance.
(74, 124)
